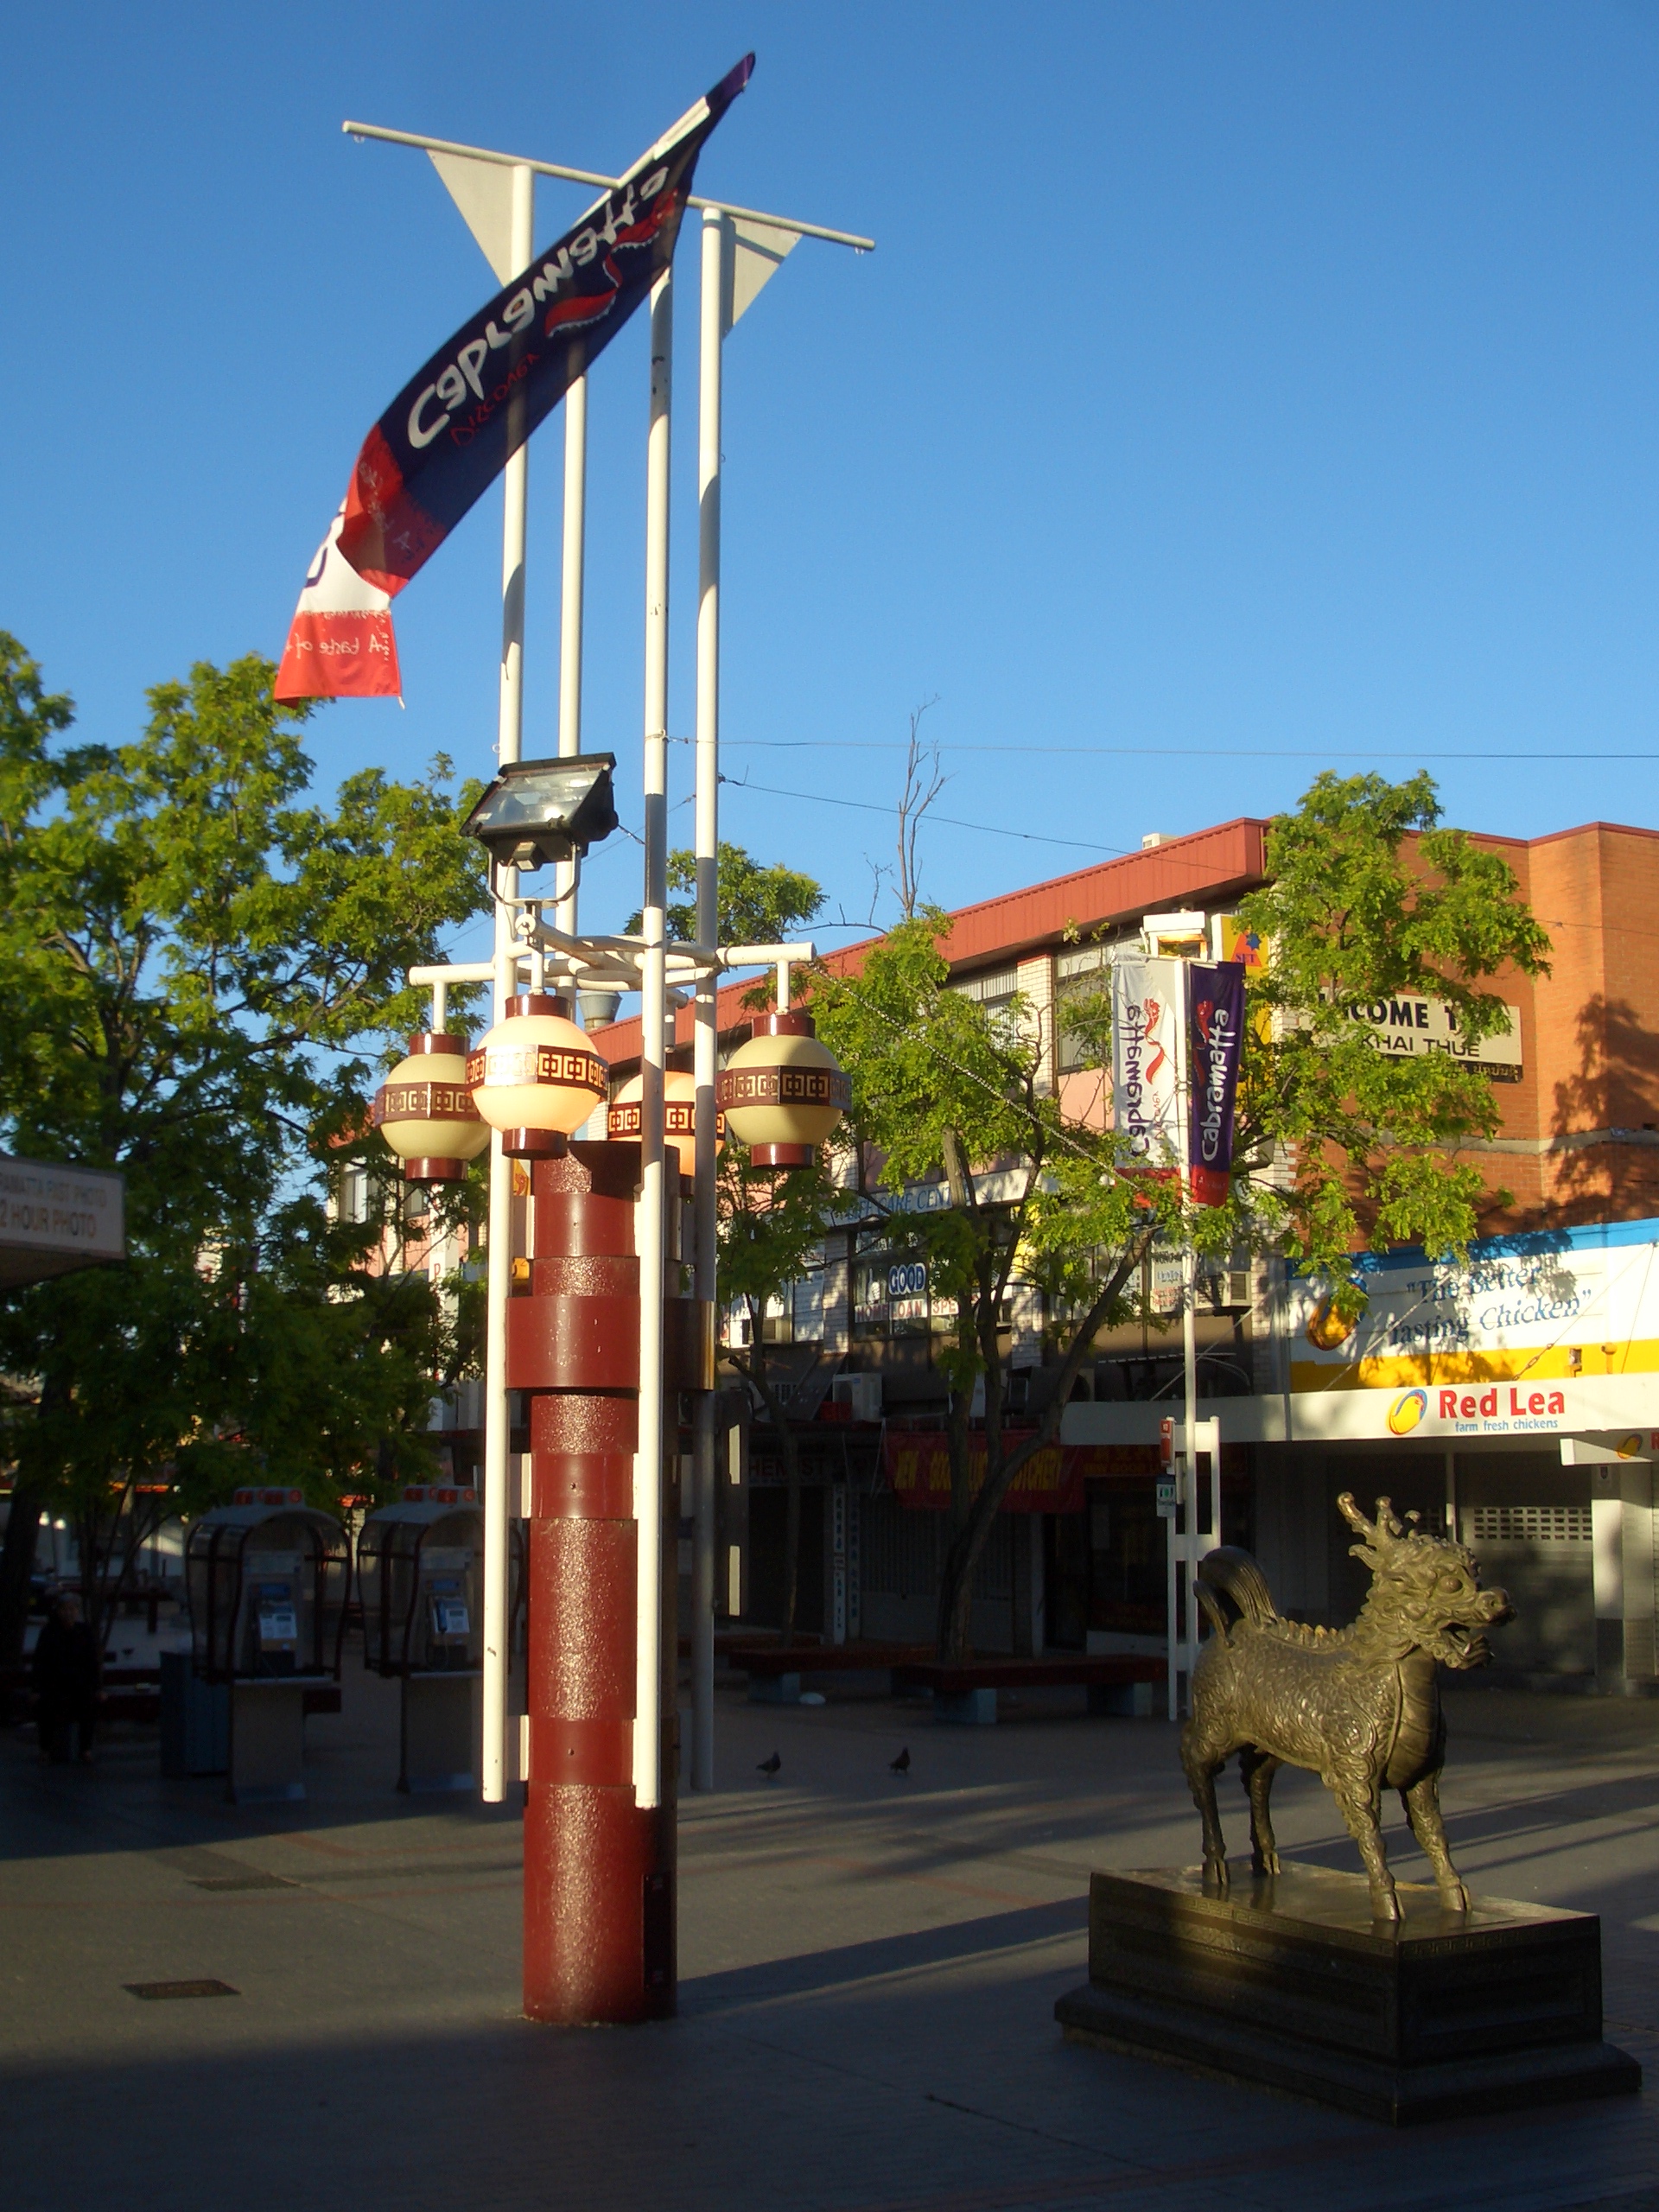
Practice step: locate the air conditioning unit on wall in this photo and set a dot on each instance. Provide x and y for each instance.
(862, 1392)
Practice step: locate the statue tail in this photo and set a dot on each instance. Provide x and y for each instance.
(1232, 1588)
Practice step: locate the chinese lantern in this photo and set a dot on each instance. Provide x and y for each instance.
(534, 1077)
(679, 1117)
(425, 1110)
(784, 1092)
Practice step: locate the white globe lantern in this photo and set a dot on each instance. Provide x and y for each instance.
(679, 1117)
(534, 1076)
(425, 1110)
(784, 1092)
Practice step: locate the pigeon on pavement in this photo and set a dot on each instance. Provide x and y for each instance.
(769, 1767)
(901, 1764)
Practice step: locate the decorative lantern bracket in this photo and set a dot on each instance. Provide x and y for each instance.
(613, 960)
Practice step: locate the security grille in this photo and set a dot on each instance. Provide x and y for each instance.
(1531, 1524)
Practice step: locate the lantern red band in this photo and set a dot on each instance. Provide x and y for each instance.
(505, 1067)
(679, 1119)
(785, 1086)
(423, 1101)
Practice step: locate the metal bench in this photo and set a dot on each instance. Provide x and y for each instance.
(777, 1677)
(1117, 1682)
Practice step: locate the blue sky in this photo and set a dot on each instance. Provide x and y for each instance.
(1235, 391)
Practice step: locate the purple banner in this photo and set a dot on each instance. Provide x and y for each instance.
(1215, 1019)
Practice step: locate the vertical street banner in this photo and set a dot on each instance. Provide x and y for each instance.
(1214, 1038)
(462, 416)
(340, 644)
(1148, 1009)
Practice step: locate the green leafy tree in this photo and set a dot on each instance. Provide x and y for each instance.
(201, 964)
(754, 903)
(771, 1227)
(939, 1092)
(1369, 896)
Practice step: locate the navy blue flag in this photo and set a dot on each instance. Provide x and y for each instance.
(456, 424)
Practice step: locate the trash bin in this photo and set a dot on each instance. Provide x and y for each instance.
(267, 1577)
(195, 1718)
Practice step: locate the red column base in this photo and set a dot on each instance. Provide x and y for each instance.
(600, 1909)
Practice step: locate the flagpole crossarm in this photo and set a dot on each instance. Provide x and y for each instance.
(568, 175)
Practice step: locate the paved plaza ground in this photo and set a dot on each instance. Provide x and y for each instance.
(868, 1968)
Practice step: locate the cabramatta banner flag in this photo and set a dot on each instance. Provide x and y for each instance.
(458, 420)
(1214, 1038)
(1149, 1008)
(339, 643)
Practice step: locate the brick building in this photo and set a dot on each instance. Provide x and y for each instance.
(1577, 1085)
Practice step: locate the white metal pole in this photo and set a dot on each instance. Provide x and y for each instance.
(497, 1433)
(571, 585)
(707, 1034)
(1189, 1381)
(653, 1216)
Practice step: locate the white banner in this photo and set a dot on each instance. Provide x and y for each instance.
(1149, 1059)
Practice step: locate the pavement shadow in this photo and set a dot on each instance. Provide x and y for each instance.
(920, 1948)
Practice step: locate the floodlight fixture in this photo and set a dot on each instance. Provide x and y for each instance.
(540, 810)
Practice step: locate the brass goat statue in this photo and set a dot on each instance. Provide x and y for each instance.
(1360, 1706)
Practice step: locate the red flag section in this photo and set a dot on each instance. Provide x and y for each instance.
(339, 643)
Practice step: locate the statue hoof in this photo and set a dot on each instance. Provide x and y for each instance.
(1215, 1875)
(1265, 1862)
(1454, 1897)
(1384, 1905)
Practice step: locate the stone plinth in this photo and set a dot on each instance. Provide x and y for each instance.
(1289, 1983)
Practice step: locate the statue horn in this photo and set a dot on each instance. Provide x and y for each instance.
(1351, 1514)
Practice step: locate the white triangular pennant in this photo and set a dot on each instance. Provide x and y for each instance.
(754, 254)
(483, 192)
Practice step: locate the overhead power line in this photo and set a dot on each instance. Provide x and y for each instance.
(1168, 752)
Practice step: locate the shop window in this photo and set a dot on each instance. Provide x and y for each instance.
(1530, 1524)
(870, 1294)
(996, 990)
(806, 1299)
(1127, 1559)
(1082, 976)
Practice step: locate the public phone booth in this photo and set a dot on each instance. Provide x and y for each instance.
(420, 1578)
(267, 1578)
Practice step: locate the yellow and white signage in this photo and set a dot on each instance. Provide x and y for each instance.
(1555, 1333)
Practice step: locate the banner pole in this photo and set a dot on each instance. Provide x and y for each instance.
(1190, 1486)
(497, 1412)
(653, 1196)
(571, 588)
(706, 1034)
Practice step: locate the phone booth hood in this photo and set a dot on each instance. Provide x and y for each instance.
(267, 1579)
(420, 1577)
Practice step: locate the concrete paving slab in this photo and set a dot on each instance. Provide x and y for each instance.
(868, 1968)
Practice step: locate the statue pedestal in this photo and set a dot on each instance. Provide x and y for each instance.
(1288, 1983)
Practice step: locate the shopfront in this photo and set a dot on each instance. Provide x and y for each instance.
(1514, 1398)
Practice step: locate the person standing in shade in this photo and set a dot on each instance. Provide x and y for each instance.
(64, 1668)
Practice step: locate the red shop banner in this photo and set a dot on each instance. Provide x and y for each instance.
(1052, 1480)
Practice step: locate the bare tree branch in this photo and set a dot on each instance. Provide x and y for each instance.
(923, 781)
